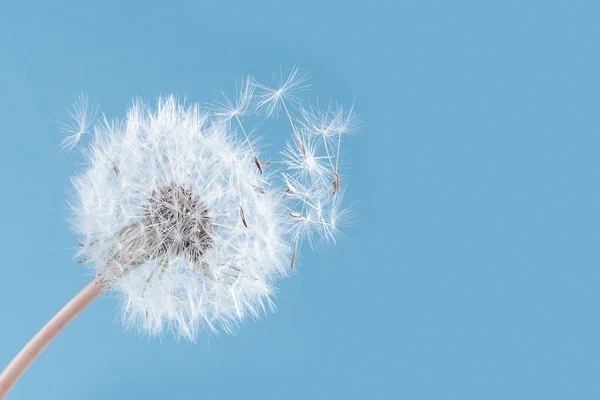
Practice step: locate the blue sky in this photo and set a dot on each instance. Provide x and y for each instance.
(471, 271)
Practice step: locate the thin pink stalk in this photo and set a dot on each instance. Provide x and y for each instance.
(38, 343)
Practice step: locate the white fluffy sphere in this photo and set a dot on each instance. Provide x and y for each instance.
(176, 216)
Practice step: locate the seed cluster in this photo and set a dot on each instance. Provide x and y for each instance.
(176, 223)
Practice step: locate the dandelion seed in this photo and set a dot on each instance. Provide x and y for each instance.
(332, 121)
(330, 124)
(305, 163)
(240, 105)
(286, 88)
(81, 116)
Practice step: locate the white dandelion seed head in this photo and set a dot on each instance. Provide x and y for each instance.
(180, 215)
(159, 209)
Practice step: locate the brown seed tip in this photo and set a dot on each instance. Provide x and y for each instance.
(117, 170)
(288, 192)
(258, 165)
(302, 148)
(296, 215)
(243, 217)
(336, 184)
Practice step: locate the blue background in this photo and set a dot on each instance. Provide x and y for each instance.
(471, 271)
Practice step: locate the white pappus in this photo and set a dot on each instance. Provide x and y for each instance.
(179, 214)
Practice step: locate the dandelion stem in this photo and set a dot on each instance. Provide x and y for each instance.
(38, 343)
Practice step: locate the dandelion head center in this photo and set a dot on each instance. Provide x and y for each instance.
(177, 223)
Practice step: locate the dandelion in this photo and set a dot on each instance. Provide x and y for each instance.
(182, 224)
(177, 214)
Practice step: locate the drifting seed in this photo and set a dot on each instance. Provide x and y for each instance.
(336, 184)
(243, 217)
(117, 170)
(296, 215)
(258, 165)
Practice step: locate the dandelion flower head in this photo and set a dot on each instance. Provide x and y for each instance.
(180, 215)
